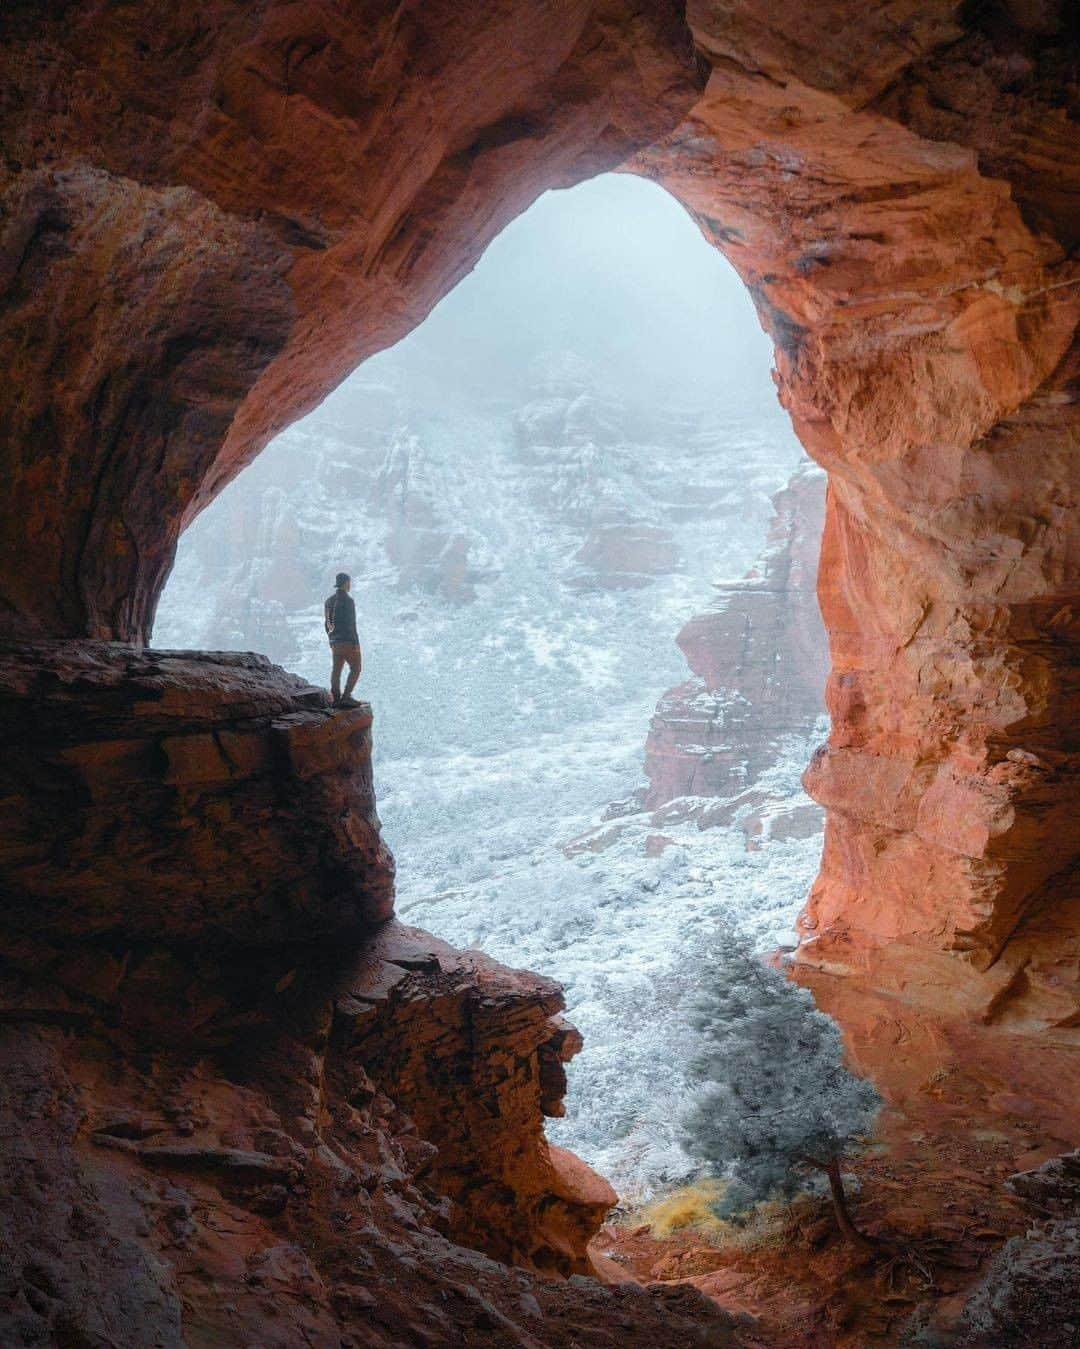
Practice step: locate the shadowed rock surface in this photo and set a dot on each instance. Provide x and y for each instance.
(240, 1103)
(1025, 1295)
(182, 796)
(232, 1168)
(759, 661)
(209, 216)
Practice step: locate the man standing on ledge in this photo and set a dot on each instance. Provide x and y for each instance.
(339, 615)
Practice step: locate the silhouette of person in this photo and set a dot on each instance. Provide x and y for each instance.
(339, 616)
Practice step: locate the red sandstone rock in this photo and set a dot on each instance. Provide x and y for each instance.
(185, 796)
(209, 216)
(759, 661)
(459, 1042)
(299, 1058)
(253, 1182)
(623, 557)
(210, 219)
(925, 324)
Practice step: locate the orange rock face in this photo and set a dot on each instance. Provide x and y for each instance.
(498, 1044)
(923, 301)
(208, 216)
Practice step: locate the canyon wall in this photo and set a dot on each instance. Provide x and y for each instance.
(759, 661)
(182, 796)
(891, 206)
(210, 216)
(250, 1170)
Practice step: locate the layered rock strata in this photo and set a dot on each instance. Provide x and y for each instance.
(887, 200)
(208, 220)
(241, 1103)
(246, 1176)
(759, 661)
(182, 796)
(492, 1040)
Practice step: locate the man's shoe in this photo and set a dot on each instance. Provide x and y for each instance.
(335, 700)
(347, 702)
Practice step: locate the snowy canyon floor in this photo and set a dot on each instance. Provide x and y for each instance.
(508, 725)
(617, 909)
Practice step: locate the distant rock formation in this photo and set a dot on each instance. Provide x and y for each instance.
(421, 543)
(595, 467)
(617, 489)
(759, 658)
(568, 437)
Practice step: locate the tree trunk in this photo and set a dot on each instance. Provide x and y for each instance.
(839, 1199)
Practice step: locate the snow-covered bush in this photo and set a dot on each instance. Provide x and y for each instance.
(776, 1098)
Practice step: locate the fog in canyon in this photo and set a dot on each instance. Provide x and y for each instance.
(535, 492)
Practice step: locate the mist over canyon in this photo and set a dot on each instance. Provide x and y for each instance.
(246, 1101)
(534, 492)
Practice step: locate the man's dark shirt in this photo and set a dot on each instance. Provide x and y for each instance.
(340, 613)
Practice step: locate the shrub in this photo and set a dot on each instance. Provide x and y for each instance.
(775, 1098)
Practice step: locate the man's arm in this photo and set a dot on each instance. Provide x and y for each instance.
(328, 621)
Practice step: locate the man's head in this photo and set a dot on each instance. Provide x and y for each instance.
(342, 581)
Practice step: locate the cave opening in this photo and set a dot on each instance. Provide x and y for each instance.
(577, 457)
(209, 217)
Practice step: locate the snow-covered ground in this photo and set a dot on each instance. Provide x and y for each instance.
(508, 721)
(484, 863)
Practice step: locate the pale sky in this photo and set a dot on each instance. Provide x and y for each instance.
(615, 270)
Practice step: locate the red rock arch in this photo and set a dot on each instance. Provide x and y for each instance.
(210, 216)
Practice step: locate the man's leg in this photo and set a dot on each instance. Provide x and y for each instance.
(337, 652)
(352, 655)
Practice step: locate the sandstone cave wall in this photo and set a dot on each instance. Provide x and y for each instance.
(912, 253)
(209, 218)
(239, 1103)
